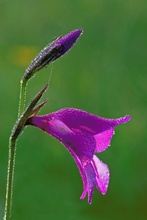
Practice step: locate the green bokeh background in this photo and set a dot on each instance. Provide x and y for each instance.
(105, 73)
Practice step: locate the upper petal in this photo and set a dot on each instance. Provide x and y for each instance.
(83, 132)
(84, 121)
(101, 129)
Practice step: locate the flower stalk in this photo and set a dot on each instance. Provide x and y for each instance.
(17, 130)
(10, 178)
(23, 85)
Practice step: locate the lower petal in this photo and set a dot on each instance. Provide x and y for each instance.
(102, 175)
(82, 173)
(88, 176)
(91, 180)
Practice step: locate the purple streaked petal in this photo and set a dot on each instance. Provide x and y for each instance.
(84, 121)
(101, 129)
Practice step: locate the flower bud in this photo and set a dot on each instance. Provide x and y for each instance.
(52, 52)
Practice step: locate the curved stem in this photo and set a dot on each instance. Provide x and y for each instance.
(23, 85)
(16, 131)
(12, 153)
(10, 178)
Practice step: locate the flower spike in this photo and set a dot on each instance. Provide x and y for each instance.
(52, 52)
(83, 134)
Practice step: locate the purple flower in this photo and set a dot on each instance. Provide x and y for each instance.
(83, 134)
(52, 51)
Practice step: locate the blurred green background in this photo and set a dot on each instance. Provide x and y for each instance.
(105, 73)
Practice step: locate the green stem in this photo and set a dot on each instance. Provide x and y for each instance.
(16, 131)
(12, 153)
(10, 178)
(23, 84)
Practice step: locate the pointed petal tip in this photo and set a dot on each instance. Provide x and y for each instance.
(103, 193)
(123, 120)
(90, 201)
(104, 189)
(126, 119)
(83, 194)
(89, 197)
(103, 175)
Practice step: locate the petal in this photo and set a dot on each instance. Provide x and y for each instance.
(102, 175)
(88, 176)
(103, 140)
(84, 121)
(82, 173)
(93, 173)
(91, 180)
(81, 143)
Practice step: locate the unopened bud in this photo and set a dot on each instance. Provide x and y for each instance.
(52, 52)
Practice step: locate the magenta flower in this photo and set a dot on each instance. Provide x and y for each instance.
(52, 52)
(83, 134)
